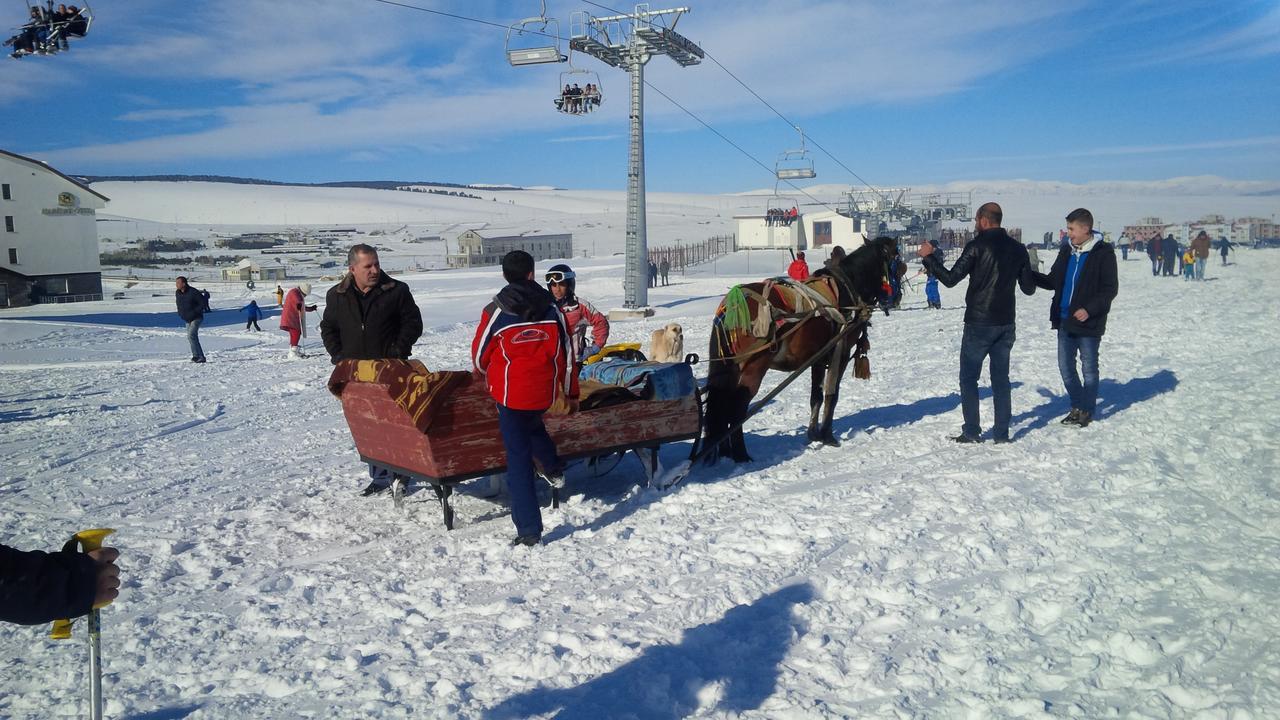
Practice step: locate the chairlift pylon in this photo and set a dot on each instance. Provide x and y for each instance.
(520, 52)
(795, 164)
(575, 99)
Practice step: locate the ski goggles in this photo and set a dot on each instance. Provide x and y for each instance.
(559, 276)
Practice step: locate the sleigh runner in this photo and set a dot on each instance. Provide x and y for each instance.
(442, 428)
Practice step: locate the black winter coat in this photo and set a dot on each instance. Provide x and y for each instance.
(190, 304)
(994, 263)
(1096, 287)
(38, 587)
(383, 324)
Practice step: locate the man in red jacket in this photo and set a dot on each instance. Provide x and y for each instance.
(799, 269)
(522, 349)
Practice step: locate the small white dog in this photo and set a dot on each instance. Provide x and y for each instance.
(667, 344)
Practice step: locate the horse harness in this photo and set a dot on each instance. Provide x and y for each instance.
(818, 307)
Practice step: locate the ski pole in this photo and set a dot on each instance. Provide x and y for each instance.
(88, 541)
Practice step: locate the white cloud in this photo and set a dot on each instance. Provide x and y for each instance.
(163, 115)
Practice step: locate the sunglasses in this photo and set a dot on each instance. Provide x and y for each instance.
(557, 277)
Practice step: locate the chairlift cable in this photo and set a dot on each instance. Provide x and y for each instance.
(653, 87)
(739, 148)
(461, 17)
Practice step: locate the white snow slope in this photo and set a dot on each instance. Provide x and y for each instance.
(1129, 569)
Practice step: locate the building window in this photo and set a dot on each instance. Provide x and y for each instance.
(4, 192)
(13, 256)
(8, 223)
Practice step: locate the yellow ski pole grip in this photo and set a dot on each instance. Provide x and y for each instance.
(88, 541)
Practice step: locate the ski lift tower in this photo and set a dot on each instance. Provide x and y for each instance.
(628, 42)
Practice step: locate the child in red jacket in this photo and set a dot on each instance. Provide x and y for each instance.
(522, 350)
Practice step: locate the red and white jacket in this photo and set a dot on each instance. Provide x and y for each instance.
(580, 315)
(522, 349)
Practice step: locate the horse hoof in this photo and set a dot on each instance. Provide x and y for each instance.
(743, 458)
(830, 441)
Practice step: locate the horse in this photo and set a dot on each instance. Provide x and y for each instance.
(734, 378)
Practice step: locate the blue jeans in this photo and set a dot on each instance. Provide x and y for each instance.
(1084, 396)
(193, 337)
(1200, 263)
(978, 342)
(525, 438)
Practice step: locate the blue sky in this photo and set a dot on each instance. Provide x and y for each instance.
(901, 93)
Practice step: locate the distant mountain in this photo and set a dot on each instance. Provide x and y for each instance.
(366, 184)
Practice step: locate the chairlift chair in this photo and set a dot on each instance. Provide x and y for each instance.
(795, 164)
(522, 53)
(783, 203)
(583, 104)
(59, 32)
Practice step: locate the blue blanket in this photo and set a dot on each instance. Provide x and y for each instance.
(651, 380)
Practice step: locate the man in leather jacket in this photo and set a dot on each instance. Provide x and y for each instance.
(994, 263)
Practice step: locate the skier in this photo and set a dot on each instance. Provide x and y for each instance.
(579, 315)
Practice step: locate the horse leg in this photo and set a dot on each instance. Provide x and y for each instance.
(815, 400)
(749, 379)
(831, 390)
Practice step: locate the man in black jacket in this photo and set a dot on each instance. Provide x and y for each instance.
(994, 263)
(1083, 281)
(191, 304)
(369, 316)
(38, 587)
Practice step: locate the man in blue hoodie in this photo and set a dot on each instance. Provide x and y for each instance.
(1083, 281)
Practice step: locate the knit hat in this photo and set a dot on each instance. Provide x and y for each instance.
(305, 287)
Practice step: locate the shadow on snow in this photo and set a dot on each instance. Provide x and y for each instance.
(740, 653)
(167, 319)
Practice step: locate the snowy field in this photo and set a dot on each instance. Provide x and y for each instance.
(1129, 568)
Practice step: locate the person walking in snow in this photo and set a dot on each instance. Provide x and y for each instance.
(191, 305)
(1200, 248)
(994, 264)
(1224, 247)
(369, 316)
(293, 316)
(254, 313)
(38, 587)
(653, 274)
(1188, 265)
(1154, 253)
(1172, 254)
(798, 270)
(1083, 281)
(521, 349)
(664, 269)
(580, 316)
(279, 295)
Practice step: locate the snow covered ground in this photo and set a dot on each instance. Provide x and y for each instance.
(1130, 569)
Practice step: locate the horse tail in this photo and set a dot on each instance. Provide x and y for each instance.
(722, 379)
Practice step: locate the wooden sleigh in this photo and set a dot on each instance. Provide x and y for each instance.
(463, 441)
